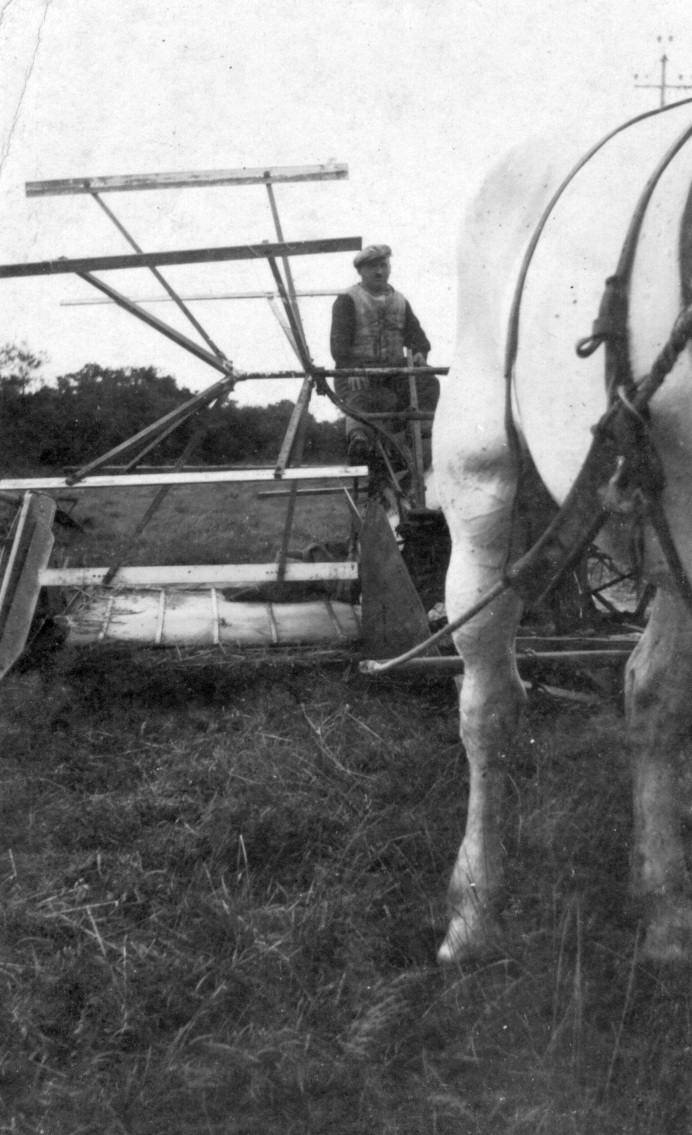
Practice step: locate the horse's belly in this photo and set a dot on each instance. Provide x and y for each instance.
(558, 396)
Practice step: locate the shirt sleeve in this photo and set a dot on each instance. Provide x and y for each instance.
(414, 335)
(343, 331)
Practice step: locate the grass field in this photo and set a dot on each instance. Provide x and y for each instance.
(201, 524)
(222, 888)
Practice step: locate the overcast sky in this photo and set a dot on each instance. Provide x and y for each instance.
(419, 97)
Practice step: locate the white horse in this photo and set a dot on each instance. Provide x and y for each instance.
(557, 398)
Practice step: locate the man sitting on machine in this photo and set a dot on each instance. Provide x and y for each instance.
(372, 326)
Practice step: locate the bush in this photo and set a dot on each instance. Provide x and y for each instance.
(96, 408)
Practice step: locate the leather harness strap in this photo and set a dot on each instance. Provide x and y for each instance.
(611, 323)
(623, 433)
(622, 454)
(512, 344)
(613, 319)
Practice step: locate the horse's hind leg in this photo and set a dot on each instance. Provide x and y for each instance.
(490, 703)
(491, 697)
(658, 691)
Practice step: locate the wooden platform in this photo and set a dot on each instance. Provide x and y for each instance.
(205, 618)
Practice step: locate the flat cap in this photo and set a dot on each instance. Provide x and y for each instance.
(371, 252)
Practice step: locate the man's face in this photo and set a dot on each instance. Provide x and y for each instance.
(374, 275)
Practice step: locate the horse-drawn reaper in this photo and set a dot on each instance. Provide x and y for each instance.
(535, 255)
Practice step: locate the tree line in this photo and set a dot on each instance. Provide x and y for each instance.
(88, 412)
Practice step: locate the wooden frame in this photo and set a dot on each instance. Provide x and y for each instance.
(193, 577)
(261, 251)
(131, 480)
(120, 183)
(201, 575)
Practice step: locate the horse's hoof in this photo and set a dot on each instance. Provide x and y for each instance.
(467, 938)
(668, 937)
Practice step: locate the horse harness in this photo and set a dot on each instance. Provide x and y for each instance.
(623, 471)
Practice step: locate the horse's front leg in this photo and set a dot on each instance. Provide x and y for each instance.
(658, 691)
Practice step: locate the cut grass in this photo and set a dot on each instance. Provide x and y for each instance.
(222, 891)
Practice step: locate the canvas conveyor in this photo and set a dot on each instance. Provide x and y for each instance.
(368, 596)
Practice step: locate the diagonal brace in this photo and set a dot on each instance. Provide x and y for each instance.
(177, 416)
(157, 324)
(161, 279)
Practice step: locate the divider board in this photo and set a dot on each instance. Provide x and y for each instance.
(21, 585)
(394, 618)
(201, 575)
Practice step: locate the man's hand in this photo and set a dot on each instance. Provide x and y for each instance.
(358, 382)
(419, 360)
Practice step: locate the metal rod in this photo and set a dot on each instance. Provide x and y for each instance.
(162, 280)
(330, 491)
(388, 465)
(294, 440)
(299, 410)
(286, 535)
(379, 372)
(577, 655)
(276, 375)
(174, 416)
(201, 297)
(404, 415)
(293, 443)
(290, 315)
(136, 460)
(419, 481)
(161, 616)
(278, 313)
(453, 664)
(157, 500)
(284, 259)
(183, 256)
(369, 666)
(157, 324)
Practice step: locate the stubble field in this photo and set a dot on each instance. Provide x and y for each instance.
(222, 887)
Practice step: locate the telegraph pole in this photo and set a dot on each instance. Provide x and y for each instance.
(664, 85)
